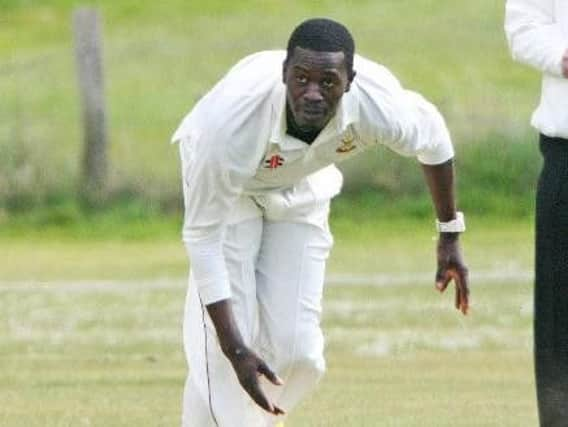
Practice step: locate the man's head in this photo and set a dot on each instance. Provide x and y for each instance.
(318, 70)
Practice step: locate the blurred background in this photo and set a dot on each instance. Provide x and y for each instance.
(91, 293)
(161, 57)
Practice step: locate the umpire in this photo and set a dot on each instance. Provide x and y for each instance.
(537, 31)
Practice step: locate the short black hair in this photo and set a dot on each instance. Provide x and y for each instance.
(323, 35)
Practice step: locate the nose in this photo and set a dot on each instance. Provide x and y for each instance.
(313, 94)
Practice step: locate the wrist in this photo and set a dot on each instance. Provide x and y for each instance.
(448, 237)
(228, 334)
(454, 226)
(234, 350)
(231, 342)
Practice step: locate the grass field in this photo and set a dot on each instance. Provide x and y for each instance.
(90, 331)
(91, 302)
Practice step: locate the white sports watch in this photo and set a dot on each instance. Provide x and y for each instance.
(454, 226)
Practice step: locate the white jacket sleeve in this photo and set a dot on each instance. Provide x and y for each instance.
(418, 129)
(209, 193)
(401, 119)
(534, 36)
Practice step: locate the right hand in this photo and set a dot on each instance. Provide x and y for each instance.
(249, 367)
(565, 64)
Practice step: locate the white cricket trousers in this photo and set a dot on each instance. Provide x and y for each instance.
(276, 270)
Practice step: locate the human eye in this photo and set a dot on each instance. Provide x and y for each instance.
(328, 83)
(301, 79)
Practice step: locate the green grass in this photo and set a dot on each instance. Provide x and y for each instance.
(90, 329)
(483, 388)
(162, 56)
(106, 249)
(396, 357)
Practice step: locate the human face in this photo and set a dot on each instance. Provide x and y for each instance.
(315, 82)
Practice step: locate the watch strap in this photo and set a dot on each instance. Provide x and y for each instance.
(456, 225)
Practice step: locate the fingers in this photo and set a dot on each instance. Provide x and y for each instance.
(457, 302)
(249, 381)
(278, 411)
(269, 374)
(462, 291)
(253, 389)
(442, 280)
(460, 277)
(261, 400)
(274, 379)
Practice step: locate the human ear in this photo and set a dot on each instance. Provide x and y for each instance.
(350, 78)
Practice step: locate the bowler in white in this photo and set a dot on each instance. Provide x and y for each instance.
(258, 156)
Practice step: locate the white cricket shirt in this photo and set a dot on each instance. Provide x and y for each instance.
(537, 31)
(234, 143)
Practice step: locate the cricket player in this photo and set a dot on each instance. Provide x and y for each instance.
(258, 154)
(537, 31)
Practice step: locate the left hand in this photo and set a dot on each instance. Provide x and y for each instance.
(451, 267)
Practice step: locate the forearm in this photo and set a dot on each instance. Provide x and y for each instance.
(230, 338)
(440, 181)
(210, 276)
(247, 365)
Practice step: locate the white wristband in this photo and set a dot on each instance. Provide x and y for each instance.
(454, 226)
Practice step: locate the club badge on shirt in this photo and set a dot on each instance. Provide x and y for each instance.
(274, 161)
(346, 143)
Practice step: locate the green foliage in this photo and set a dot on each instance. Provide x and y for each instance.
(499, 176)
(162, 56)
(124, 217)
(495, 176)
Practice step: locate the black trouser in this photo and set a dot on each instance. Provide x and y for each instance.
(551, 284)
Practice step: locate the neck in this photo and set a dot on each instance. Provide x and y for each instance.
(292, 129)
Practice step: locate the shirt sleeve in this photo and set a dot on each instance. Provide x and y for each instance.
(209, 191)
(401, 119)
(534, 37)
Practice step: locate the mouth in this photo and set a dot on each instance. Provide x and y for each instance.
(313, 114)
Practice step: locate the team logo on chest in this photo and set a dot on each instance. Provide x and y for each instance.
(347, 144)
(273, 159)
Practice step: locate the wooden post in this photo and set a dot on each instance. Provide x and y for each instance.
(88, 52)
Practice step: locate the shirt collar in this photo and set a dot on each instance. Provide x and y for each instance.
(346, 115)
